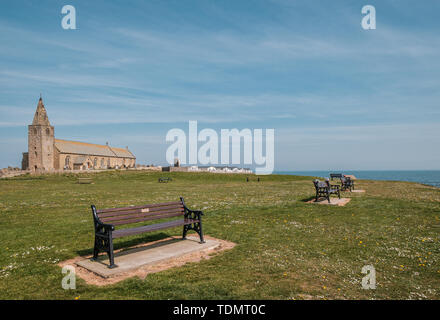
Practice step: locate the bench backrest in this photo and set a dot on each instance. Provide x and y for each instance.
(134, 214)
(321, 184)
(335, 175)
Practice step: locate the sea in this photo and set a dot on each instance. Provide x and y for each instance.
(428, 177)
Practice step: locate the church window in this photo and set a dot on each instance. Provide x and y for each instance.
(35, 131)
(102, 163)
(67, 161)
(48, 131)
(95, 162)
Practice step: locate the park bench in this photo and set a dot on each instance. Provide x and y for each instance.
(347, 184)
(84, 180)
(325, 189)
(106, 220)
(165, 179)
(335, 176)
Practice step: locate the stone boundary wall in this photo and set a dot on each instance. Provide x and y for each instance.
(175, 169)
(11, 172)
(188, 169)
(14, 172)
(146, 169)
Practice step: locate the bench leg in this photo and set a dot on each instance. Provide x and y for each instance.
(185, 231)
(197, 227)
(200, 232)
(96, 249)
(111, 254)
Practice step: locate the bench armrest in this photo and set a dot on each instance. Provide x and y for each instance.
(187, 210)
(198, 212)
(107, 227)
(99, 224)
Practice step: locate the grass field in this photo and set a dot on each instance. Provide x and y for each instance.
(286, 248)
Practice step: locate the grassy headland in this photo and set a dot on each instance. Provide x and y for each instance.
(286, 248)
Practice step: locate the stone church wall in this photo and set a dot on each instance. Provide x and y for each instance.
(41, 147)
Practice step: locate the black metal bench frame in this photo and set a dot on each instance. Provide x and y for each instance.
(325, 189)
(105, 220)
(347, 184)
(335, 175)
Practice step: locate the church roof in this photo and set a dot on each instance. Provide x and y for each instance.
(40, 117)
(123, 153)
(83, 148)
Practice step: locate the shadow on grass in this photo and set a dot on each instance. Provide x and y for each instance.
(308, 199)
(128, 243)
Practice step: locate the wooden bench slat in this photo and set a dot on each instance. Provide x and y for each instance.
(155, 215)
(141, 210)
(117, 223)
(142, 219)
(153, 227)
(138, 207)
(141, 214)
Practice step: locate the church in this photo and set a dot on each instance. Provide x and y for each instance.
(45, 153)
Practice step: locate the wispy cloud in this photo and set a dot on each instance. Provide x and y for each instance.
(281, 64)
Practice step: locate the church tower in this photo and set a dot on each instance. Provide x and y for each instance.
(41, 139)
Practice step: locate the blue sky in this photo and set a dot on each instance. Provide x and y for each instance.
(338, 97)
